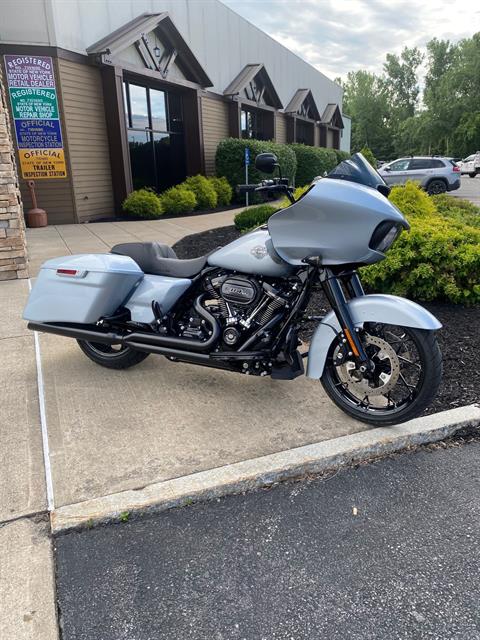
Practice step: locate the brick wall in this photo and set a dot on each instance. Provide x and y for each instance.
(13, 256)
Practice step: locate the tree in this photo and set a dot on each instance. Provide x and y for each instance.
(365, 101)
(402, 83)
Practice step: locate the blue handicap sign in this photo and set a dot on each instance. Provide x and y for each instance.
(247, 155)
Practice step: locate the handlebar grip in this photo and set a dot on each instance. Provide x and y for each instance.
(246, 188)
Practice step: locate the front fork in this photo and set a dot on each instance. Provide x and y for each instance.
(351, 346)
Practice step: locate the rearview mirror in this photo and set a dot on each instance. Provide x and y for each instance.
(386, 168)
(266, 162)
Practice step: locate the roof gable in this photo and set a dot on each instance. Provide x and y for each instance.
(303, 104)
(174, 48)
(253, 84)
(332, 116)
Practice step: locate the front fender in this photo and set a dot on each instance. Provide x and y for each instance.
(371, 308)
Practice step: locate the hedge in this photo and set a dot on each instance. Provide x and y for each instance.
(229, 161)
(143, 203)
(312, 162)
(253, 217)
(223, 190)
(203, 189)
(367, 153)
(341, 155)
(439, 259)
(178, 200)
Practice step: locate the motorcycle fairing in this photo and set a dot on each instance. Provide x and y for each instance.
(335, 220)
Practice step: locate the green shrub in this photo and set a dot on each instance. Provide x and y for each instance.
(462, 210)
(438, 260)
(229, 161)
(143, 203)
(312, 162)
(178, 200)
(223, 190)
(341, 155)
(299, 191)
(204, 191)
(368, 155)
(253, 217)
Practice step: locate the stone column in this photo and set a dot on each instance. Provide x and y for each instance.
(13, 253)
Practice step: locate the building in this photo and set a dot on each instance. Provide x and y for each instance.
(109, 96)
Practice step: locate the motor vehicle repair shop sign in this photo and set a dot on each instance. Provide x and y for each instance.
(33, 96)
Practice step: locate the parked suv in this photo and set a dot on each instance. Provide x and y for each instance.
(436, 175)
(471, 165)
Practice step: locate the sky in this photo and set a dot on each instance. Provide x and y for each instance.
(338, 36)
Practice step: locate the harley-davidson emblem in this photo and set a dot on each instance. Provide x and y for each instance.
(259, 252)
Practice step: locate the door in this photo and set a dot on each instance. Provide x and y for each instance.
(395, 172)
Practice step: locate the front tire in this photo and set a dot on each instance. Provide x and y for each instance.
(112, 356)
(472, 175)
(410, 362)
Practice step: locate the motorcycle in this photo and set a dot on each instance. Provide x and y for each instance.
(242, 306)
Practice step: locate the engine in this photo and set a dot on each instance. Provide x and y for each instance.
(243, 304)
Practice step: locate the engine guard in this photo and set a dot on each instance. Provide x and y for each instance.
(381, 308)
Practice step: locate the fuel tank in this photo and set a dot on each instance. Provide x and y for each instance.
(252, 253)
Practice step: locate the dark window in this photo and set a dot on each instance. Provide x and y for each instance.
(437, 164)
(155, 136)
(420, 163)
(305, 132)
(252, 123)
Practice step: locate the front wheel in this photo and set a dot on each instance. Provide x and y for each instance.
(112, 356)
(407, 373)
(472, 175)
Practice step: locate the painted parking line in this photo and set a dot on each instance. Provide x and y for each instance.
(43, 420)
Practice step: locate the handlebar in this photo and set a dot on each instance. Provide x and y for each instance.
(267, 185)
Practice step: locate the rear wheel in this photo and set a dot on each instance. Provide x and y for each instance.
(436, 186)
(408, 370)
(472, 175)
(112, 356)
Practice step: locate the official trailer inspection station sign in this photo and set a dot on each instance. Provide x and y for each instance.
(31, 84)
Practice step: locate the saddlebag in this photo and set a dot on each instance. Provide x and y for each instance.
(81, 288)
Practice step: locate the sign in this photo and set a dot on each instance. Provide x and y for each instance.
(33, 96)
(247, 156)
(34, 104)
(38, 134)
(42, 163)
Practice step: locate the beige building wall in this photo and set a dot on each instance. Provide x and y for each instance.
(329, 139)
(84, 122)
(280, 128)
(215, 128)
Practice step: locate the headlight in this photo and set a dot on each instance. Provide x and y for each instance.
(384, 236)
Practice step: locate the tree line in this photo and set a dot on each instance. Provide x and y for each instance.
(394, 117)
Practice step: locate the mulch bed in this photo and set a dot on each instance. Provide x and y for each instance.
(459, 338)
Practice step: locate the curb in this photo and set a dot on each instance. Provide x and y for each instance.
(263, 471)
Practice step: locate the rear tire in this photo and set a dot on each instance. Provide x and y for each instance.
(435, 187)
(111, 357)
(472, 175)
(429, 380)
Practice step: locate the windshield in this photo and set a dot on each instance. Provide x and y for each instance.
(357, 169)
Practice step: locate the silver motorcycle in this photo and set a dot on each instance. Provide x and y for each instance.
(242, 307)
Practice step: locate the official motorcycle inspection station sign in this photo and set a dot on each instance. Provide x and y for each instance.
(33, 96)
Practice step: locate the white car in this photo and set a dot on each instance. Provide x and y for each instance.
(471, 165)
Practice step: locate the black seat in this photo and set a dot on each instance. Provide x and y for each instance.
(160, 259)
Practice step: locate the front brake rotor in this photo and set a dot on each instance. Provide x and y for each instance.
(361, 386)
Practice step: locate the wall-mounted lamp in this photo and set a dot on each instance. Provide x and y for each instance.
(157, 52)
